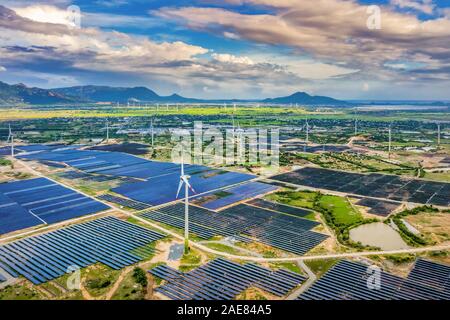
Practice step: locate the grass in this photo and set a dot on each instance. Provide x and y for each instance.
(291, 266)
(99, 279)
(438, 176)
(341, 209)
(320, 266)
(190, 260)
(251, 294)
(223, 248)
(303, 199)
(129, 289)
(20, 291)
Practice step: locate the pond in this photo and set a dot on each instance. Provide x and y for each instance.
(378, 235)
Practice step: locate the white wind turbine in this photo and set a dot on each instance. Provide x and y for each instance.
(185, 179)
(11, 139)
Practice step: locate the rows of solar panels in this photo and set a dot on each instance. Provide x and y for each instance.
(244, 223)
(108, 240)
(229, 196)
(160, 179)
(32, 202)
(378, 207)
(371, 185)
(349, 280)
(221, 279)
(124, 202)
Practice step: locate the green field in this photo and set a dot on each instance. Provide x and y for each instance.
(341, 209)
(303, 199)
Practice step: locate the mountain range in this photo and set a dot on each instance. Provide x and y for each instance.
(21, 94)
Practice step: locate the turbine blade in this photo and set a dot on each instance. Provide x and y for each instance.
(188, 184)
(182, 165)
(179, 188)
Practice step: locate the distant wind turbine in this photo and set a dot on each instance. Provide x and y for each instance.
(11, 139)
(184, 179)
(107, 131)
(439, 133)
(151, 130)
(390, 140)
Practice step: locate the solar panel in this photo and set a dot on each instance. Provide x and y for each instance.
(223, 279)
(32, 202)
(299, 212)
(372, 185)
(124, 202)
(108, 240)
(350, 280)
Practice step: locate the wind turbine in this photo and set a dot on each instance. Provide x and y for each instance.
(390, 139)
(439, 133)
(107, 131)
(152, 133)
(11, 138)
(185, 179)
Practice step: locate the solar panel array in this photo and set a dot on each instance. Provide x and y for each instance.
(276, 229)
(371, 185)
(378, 207)
(299, 212)
(72, 175)
(124, 202)
(158, 180)
(349, 280)
(238, 193)
(163, 188)
(203, 223)
(28, 203)
(108, 240)
(222, 279)
(431, 274)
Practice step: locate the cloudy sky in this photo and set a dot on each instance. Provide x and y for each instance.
(347, 49)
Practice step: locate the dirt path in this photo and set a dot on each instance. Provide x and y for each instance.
(118, 282)
(86, 295)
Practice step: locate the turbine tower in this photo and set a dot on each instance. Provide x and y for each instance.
(107, 131)
(390, 139)
(184, 179)
(439, 133)
(307, 131)
(11, 138)
(151, 129)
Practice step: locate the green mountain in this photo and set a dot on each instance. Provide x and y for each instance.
(19, 93)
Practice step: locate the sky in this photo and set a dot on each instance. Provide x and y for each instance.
(247, 49)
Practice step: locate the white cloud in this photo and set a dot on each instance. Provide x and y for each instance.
(425, 6)
(330, 31)
(2, 68)
(44, 14)
(229, 58)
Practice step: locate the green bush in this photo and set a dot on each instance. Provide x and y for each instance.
(140, 276)
(98, 283)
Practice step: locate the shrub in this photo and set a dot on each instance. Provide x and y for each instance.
(140, 276)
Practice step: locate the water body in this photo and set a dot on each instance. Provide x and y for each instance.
(378, 235)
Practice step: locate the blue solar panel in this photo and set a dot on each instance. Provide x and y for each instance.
(32, 202)
(239, 193)
(108, 240)
(163, 189)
